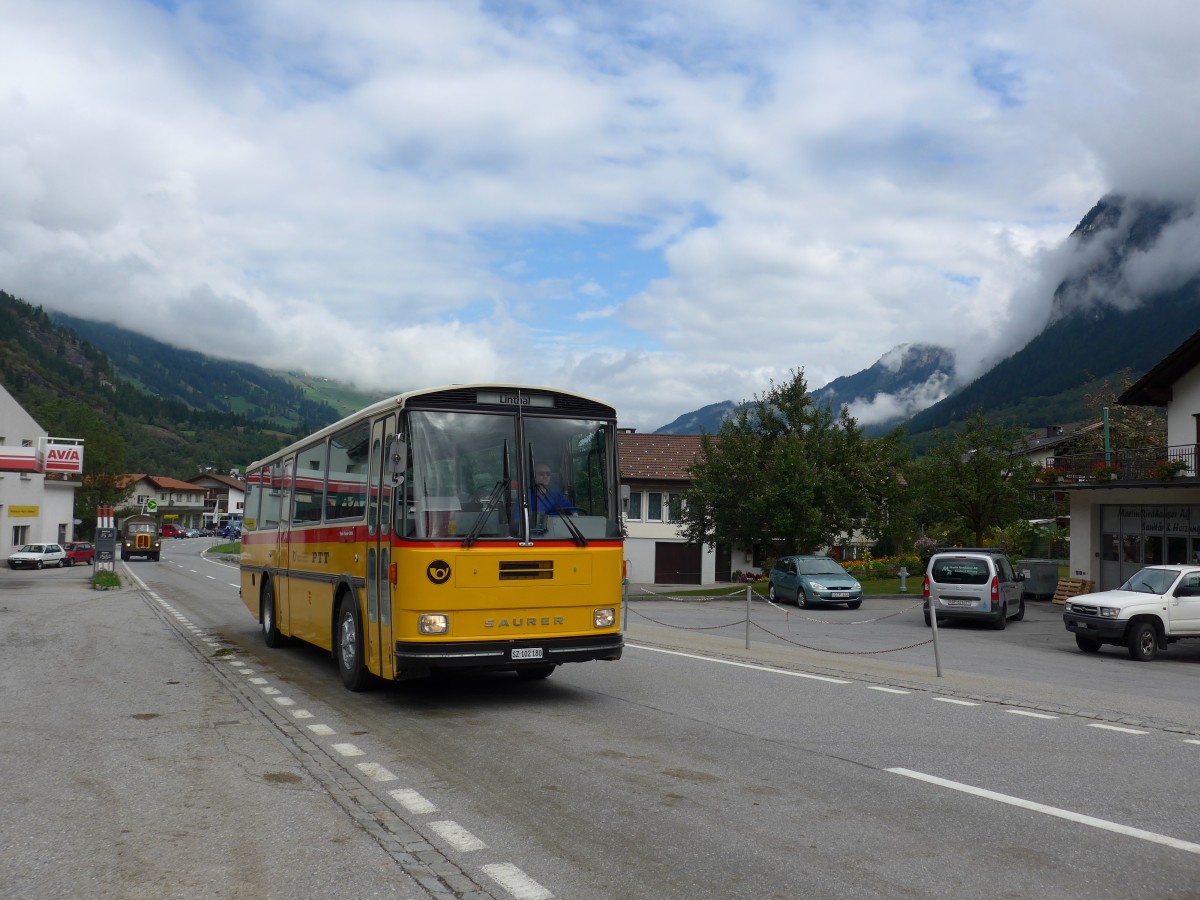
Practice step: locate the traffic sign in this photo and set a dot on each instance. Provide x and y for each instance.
(151, 506)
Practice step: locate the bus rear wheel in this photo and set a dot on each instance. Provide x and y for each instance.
(349, 647)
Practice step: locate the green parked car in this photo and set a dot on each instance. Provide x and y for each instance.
(812, 580)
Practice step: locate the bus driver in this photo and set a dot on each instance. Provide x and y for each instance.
(544, 498)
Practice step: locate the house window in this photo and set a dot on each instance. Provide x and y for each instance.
(674, 507)
(654, 506)
(20, 535)
(635, 506)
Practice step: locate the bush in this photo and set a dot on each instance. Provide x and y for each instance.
(106, 579)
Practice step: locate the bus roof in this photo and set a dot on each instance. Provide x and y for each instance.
(406, 399)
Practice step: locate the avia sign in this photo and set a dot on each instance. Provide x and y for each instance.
(63, 458)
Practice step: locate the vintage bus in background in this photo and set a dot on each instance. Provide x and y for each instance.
(140, 536)
(409, 537)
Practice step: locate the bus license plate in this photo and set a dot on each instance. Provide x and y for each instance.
(840, 594)
(527, 653)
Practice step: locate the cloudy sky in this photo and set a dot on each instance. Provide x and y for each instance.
(661, 205)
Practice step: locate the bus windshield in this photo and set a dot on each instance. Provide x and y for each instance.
(480, 475)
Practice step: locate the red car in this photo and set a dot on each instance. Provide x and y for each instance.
(79, 552)
(172, 531)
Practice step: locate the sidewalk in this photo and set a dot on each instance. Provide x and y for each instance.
(131, 770)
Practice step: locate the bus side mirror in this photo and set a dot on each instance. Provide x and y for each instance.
(397, 457)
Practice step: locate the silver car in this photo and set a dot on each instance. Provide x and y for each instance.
(978, 584)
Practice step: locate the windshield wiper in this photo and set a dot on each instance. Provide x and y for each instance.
(500, 490)
(473, 534)
(574, 529)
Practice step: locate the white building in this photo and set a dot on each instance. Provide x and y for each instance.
(1148, 510)
(33, 506)
(224, 495)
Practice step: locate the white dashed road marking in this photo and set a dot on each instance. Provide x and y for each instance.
(412, 801)
(457, 836)
(517, 882)
(1103, 824)
(955, 701)
(1116, 728)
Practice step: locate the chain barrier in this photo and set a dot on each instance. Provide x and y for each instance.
(740, 593)
(840, 652)
(741, 621)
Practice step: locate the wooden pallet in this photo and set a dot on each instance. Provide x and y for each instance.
(1071, 587)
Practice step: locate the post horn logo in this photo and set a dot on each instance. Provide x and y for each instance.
(438, 571)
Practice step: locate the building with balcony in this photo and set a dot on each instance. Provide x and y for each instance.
(34, 506)
(179, 502)
(224, 496)
(1139, 506)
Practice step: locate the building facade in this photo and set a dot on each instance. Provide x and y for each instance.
(179, 502)
(1142, 506)
(224, 495)
(34, 507)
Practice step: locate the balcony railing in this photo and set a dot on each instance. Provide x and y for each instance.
(1146, 464)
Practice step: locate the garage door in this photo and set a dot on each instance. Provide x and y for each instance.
(677, 563)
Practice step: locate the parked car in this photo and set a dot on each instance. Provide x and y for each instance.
(38, 556)
(191, 532)
(1158, 606)
(171, 531)
(808, 580)
(973, 583)
(79, 552)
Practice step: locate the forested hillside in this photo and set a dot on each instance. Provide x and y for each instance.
(159, 410)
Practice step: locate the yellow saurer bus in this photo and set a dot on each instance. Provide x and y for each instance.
(474, 526)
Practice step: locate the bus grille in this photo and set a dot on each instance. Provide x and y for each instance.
(527, 570)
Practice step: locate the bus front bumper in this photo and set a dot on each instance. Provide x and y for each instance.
(508, 654)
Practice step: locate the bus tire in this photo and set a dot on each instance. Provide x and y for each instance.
(535, 673)
(270, 622)
(348, 647)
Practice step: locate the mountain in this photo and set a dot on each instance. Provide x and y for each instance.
(1129, 292)
(905, 379)
(1127, 301)
(144, 406)
(706, 419)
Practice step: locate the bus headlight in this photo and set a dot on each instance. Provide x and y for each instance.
(433, 623)
(604, 618)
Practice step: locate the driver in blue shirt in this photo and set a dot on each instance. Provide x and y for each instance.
(544, 498)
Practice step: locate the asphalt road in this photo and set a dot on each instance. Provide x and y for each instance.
(158, 744)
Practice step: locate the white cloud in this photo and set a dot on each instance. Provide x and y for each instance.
(405, 193)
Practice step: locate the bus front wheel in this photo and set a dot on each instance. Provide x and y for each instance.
(534, 673)
(349, 646)
(270, 623)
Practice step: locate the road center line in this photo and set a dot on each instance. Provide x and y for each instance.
(741, 665)
(1092, 821)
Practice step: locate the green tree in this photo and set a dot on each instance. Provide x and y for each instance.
(103, 452)
(787, 473)
(971, 481)
(1129, 427)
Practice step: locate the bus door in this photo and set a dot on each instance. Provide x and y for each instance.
(283, 605)
(380, 650)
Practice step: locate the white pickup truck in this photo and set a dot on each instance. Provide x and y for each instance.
(1156, 607)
